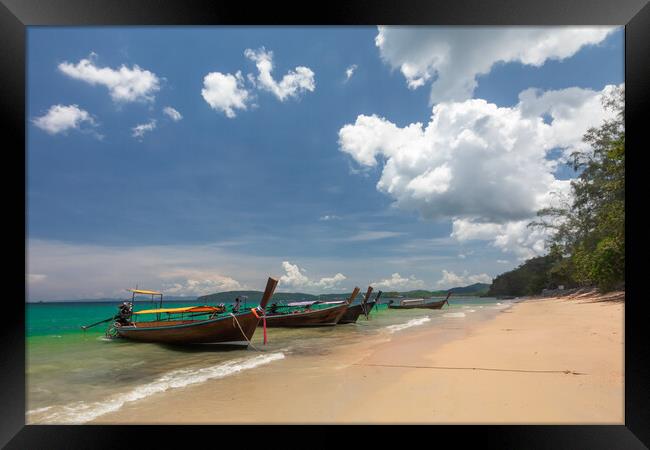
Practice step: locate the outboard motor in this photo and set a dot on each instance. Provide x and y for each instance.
(125, 311)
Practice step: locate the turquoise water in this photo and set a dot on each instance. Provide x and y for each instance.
(74, 376)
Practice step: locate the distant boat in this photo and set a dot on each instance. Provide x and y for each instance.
(419, 303)
(189, 325)
(354, 311)
(308, 313)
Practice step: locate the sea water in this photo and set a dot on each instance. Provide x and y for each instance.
(74, 376)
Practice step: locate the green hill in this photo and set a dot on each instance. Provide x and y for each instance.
(473, 289)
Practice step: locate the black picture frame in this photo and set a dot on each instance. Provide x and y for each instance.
(16, 15)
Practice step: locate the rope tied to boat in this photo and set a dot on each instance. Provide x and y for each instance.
(235, 321)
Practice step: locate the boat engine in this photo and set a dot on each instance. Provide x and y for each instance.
(125, 311)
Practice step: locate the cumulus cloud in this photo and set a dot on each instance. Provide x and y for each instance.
(350, 71)
(294, 83)
(450, 279)
(452, 58)
(172, 113)
(296, 279)
(187, 282)
(485, 167)
(397, 282)
(225, 92)
(60, 118)
(124, 84)
(139, 130)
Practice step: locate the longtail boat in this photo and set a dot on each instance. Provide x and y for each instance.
(419, 303)
(354, 311)
(189, 325)
(308, 314)
(370, 305)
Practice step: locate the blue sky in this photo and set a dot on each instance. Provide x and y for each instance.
(222, 202)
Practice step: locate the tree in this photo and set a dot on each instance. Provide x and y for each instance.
(589, 232)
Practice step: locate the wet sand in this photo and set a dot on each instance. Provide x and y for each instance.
(542, 361)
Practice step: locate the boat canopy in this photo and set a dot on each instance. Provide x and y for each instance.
(194, 309)
(142, 291)
(333, 302)
(416, 301)
(302, 303)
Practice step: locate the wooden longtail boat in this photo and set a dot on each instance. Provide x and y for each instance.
(219, 327)
(419, 303)
(302, 314)
(372, 304)
(354, 311)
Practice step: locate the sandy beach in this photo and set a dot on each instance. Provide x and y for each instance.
(542, 361)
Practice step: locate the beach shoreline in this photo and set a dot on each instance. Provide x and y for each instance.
(541, 361)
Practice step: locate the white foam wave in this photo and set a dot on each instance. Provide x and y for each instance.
(503, 305)
(457, 314)
(409, 324)
(81, 412)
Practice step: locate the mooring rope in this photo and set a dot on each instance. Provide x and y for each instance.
(244, 334)
(567, 372)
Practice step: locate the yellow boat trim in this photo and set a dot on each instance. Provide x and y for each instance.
(181, 310)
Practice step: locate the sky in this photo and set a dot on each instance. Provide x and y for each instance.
(202, 159)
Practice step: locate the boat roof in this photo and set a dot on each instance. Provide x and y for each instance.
(311, 302)
(413, 300)
(144, 291)
(204, 308)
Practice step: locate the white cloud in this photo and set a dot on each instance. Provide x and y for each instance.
(350, 71)
(35, 277)
(503, 261)
(295, 279)
(172, 113)
(60, 118)
(184, 269)
(328, 217)
(293, 84)
(225, 92)
(372, 235)
(124, 84)
(140, 130)
(450, 279)
(485, 167)
(186, 282)
(397, 282)
(453, 57)
(513, 237)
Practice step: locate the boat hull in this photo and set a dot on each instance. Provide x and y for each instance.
(354, 311)
(432, 305)
(314, 318)
(223, 330)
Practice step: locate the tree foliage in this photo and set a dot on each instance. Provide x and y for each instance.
(587, 238)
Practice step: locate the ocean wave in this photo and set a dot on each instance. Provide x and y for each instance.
(457, 314)
(503, 305)
(409, 324)
(81, 412)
